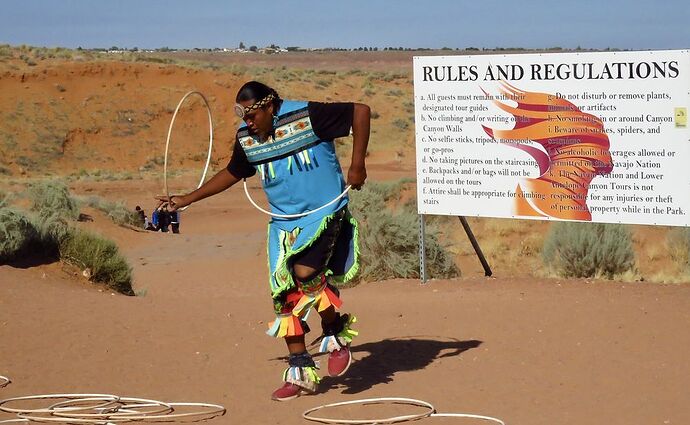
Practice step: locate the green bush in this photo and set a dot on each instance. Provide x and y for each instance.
(51, 198)
(389, 242)
(588, 249)
(17, 234)
(116, 211)
(100, 256)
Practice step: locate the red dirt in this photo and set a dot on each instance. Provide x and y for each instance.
(523, 350)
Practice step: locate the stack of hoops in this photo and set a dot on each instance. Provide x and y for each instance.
(102, 409)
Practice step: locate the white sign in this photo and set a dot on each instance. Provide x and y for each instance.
(599, 137)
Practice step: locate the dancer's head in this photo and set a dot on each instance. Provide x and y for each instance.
(257, 103)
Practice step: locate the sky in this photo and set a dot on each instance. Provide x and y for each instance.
(599, 24)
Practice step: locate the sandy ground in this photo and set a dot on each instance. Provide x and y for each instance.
(525, 351)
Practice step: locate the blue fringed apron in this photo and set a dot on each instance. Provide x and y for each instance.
(300, 172)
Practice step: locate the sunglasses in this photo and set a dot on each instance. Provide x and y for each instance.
(241, 111)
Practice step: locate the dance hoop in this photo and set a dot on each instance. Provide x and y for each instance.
(124, 410)
(167, 143)
(391, 400)
(431, 413)
(213, 410)
(107, 399)
(304, 214)
(4, 381)
(467, 415)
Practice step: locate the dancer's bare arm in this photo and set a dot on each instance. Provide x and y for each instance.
(218, 183)
(360, 139)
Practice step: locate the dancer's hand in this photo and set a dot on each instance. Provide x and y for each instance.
(356, 177)
(174, 202)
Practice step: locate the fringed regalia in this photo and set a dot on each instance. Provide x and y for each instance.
(300, 172)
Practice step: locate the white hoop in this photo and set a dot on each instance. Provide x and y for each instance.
(246, 191)
(431, 413)
(394, 400)
(214, 410)
(124, 411)
(467, 415)
(4, 381)
(167, 143)
(107, 399)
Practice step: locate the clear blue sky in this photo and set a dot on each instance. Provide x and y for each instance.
(663, 24)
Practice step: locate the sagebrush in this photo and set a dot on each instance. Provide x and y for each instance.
(17, 234)
(589, 249)
(389, 229)
(678, 245)
(51, 231)
(52, 198)
(116, 211)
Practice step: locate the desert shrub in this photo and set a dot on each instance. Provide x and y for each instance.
(400, 124)
(394, 92)
(678, 245)
(588, 249)
(52, 197)
(389, 244)
(116, 211)
(5, 199)
(99, 255)
(17, 234)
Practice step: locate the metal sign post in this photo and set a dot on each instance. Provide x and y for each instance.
(470, 236)
(422, 250)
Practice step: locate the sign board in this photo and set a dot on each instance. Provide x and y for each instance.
(599, 137)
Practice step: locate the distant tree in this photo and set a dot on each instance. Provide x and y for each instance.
(366, 50)
(376, 49)
(114, 48)
(253, 48)
(242, 46)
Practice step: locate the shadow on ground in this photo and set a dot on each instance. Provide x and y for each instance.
(386, 358)
(35, 259)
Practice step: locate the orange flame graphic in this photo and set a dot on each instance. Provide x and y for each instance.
(575, 150)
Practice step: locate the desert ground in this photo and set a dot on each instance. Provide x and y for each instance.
(521, 346)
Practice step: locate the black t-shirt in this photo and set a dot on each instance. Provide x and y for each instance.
(328, 120)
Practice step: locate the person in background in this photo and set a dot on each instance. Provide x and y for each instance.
(174, 216)
(143, 220)
(163, 218)
(155, 217)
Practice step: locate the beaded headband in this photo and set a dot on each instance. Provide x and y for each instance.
(241, 111)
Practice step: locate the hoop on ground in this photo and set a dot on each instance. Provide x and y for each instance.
(304, 214)
(167, 143)
(4, 381)
(107, 399)
(124, 410)
(382, 400)
(467, 415)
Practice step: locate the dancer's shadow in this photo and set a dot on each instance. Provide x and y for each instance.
(390, 356)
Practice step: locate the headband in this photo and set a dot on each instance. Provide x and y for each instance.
(241, 111)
